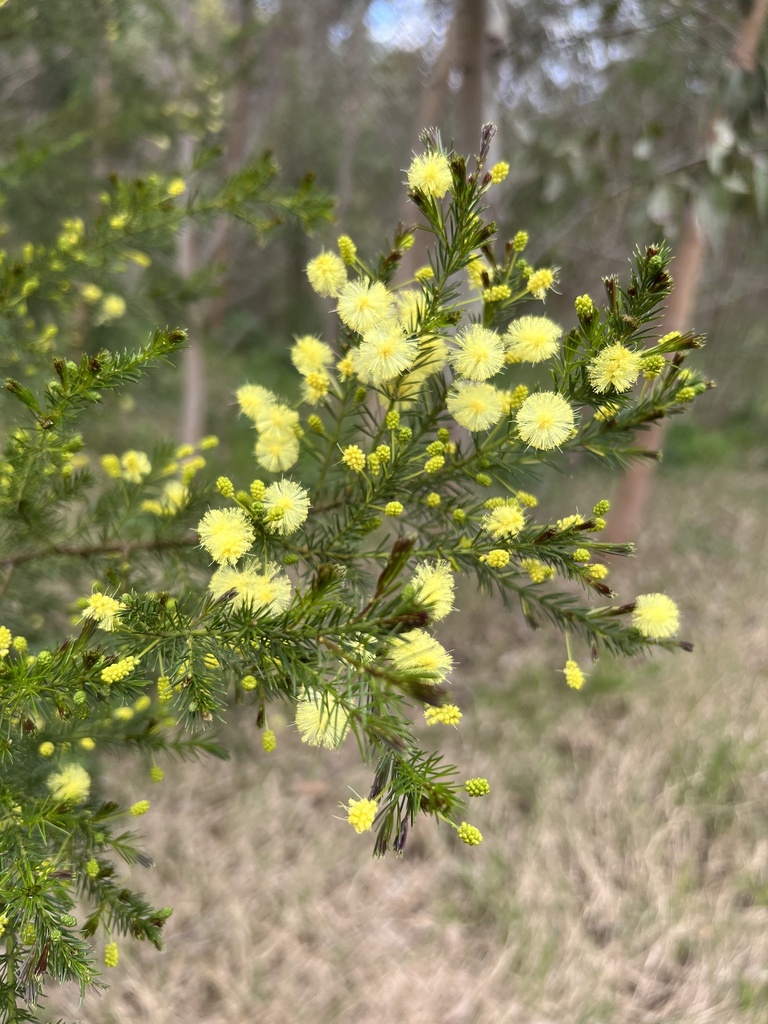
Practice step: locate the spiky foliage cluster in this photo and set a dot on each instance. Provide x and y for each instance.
(410, 452)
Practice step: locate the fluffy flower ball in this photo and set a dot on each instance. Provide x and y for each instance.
(291, 501)
(433, 587)
(480, 353)
(71, 785)
(475, 406)
(615, 367)
(505, 521)
(430, 174)
(532, 339)
(656, 616)
(268, 591)
(417, 651)
(225, 534)
(327, 274)
(545, 420)
(321, 720)
(364, 304)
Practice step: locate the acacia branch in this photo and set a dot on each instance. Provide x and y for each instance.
(85, 550)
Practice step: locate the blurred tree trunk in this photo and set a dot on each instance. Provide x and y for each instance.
(193, 386)
(635, 487)
(235, 156)
(471, 19)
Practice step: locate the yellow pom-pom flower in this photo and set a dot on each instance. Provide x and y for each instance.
(418, 652)
(363, 304)
(614, 367)
(310, 355)
(225, 534)
(475, 406)
(135, 466)
(361, 814)
(268, 591)
(253, 399)
(656, 616)
(430, 174)
(545, 420)
(532, 339)
(71, 785)
(292, 501)
(540, 281)
(480, 353)
(384, 353)
(327, 274)
(505, 521)
(497, 559)
(434, 588)
(103, 609)
(322, 720)
(46, 749)
(277, 451)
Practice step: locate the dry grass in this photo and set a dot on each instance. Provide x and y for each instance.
(624, 873)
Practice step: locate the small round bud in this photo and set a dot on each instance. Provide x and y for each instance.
(248, 682)
(225, 487)
(111, 954)
(139, 808)
(581, 555)
(433, 499)
(601, 507)
(347, 248)
(460, 515)
(497, 559)
(392, 420)
(257, 490)
(520, 241)
(393, 508)
(585, 307)
(268, 740)
(315, 424)
(483, 479)
(434, 464)
(353, 457)
(46, 749)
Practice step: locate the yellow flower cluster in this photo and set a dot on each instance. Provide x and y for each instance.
(446, 714)
(265, 591)
(119, 670)
(361, 814)
(321, 719)
(103, 609)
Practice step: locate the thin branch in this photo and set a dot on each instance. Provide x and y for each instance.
(86, 550)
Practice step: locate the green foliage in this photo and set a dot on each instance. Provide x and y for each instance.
(325, 591)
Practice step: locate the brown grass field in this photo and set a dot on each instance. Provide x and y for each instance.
(624, 872)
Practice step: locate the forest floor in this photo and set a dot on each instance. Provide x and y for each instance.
(624, 872)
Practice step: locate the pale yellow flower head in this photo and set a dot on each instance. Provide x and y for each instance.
(327, 274)
(71, 785)
(545, 420)
(418, 652)
(278, 418)
(361, 814)
(292, 501)
(135, 466)
(475, 406)
(364, 304)
(310, 355)
(321, 719)
(430, 174)
(504, 521)
(541, 281)
(253, 399)
(531, 339)
(225, 534)
(267, 591)
(277, 450)
(103, 609)
(480, 353)
(385, 353)
(614, 367)
(656, 616)
(434, 588)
